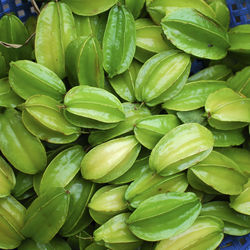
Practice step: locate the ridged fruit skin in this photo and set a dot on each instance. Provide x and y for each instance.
(195, 141)
(164, 215)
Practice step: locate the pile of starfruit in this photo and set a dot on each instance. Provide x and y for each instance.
(107, 139)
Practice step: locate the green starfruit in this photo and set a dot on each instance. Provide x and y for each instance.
(193, 95)
(157, 82)
(227, 110)
(181, 148)
(234, 223)
(158, 9)
(13, 31)
(43, 117)
(92, 107)
(219, 72)
(62, 169)
(205, 233)
(8, 98)
(110, 160)
(81, 192)
(164, 215)
(116, 235)
(220, 173)
(107, 202)
(49, 211)
(240, 156)
(28, 78)
(54, 31)
(196, 34)
(133, 112)
(87, 8)
(16, 143)
(149, 40)
(240, 83)
(119, 41)
(11, 222)
(148, 131)
(124, 83)
(239, 37)
(150, 184)
(241, 202)
(7, 178)
(84, 62)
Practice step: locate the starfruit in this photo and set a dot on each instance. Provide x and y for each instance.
(137, 169)
(240, 83)
(149, 40)
(164, 215)
(110, 160)
(55, 30)
(148, 131)
(227, 110)
(36, 182)
(60, 244)
(222, 13)
(49, 211)
(150, 184)
(240, 156)
(91, 107)
(3, 66)
(135, 7)
(16, 143)
(11, 222)
(119, 41)
(28, 78)
(87, 8)
(55, 244)
(85, 25)
(115, 234)
(200, 186)
(81, 241)
(158, 9)
(205, 233)
(95, 246)
(107, 202)
(30, 25)
(181, 148)
(234, 223)
(8, 98)
(84, 62)
(157, 82)
(220, 173)
(124, 83)
(240, 202)
(62, 169)
(133, 112)
(29, 244)
(24, 182)
(239, 37)
(7, 178)
(43, 117)
(193, 95)
(219, 72)
(91, 25)
(81, 192)
(192, 116)
(227, 138)
(13, 31)
(196, 34)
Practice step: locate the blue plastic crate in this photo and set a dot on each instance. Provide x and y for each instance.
(240, 14)
(22, 8)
